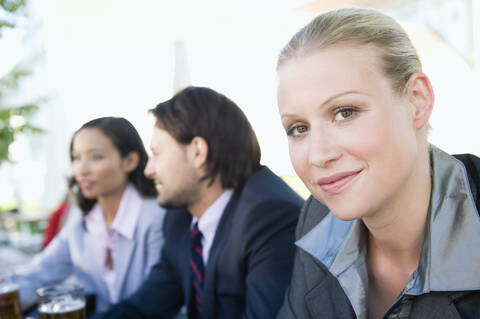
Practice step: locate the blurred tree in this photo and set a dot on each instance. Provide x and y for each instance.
(14, 119)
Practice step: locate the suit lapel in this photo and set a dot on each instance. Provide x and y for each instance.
(324, 297)
(438, 305)
(221, 235)
(122, 261)
(177, 249)
(327, 300)
(184, 265)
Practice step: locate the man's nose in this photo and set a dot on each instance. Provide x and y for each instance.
(149, 171)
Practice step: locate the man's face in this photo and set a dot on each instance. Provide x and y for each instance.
(172, 171)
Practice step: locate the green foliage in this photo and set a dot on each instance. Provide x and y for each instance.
(12, 5)
(6, 24)
(14, 119)
(10, 80)
(9, 130)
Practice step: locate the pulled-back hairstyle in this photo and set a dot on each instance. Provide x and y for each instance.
(399, 59)
(125, 138)
(233, 150)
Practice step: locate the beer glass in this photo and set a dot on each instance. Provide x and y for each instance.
(9, 300)
(65, 301)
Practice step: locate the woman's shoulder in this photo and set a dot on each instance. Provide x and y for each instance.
(74, 217)
(74, 226)
(150, 203)
(151, 212)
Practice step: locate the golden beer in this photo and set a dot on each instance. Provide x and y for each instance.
(64, 301)
(74, 311)
(9, 302)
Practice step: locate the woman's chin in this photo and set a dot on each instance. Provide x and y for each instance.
(345, 217)
(346, 213)
(89, 195)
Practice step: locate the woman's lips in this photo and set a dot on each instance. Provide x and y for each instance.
(335, 183)
(86, 185)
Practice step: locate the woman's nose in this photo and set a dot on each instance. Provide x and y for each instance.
(323, 148)
(81, 167)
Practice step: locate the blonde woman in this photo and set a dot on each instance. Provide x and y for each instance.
(392, 229)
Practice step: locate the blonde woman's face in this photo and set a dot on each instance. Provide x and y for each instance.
(351, 138)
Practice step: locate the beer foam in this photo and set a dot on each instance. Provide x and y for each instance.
(61, 305)
(8, 287)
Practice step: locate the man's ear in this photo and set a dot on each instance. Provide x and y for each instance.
(198, 151)
(421, 98)
(130, 162)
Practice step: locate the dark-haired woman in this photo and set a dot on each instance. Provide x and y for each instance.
(113, 240)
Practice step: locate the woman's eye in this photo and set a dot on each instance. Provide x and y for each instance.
(301, 129)
(97, 157)
(296, 130)
(344, 114)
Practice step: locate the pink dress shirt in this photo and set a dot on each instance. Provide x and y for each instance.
(123, 224)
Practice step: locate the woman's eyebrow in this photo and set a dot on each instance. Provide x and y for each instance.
(335, 96)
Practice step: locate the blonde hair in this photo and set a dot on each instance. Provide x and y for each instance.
(399, 58)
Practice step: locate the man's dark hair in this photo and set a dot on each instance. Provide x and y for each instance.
(233, 150)
(126, 139)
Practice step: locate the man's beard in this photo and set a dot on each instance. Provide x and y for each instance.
(182, 199)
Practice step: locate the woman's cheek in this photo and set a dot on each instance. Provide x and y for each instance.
(299, 159)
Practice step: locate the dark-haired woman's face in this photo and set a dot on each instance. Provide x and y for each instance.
(97, 165)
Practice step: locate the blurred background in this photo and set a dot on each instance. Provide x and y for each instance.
(64, 62)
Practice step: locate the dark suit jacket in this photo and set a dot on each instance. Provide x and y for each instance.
(250, 262)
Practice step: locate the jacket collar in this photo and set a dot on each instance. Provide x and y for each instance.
(454, 228)
(446, 263)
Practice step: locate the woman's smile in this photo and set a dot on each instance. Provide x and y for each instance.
(335, 183)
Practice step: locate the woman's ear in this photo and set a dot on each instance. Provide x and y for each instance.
(198, 149)
(130, 162)
(421, 98)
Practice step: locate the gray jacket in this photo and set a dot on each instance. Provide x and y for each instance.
(75, 251)
(330, 277)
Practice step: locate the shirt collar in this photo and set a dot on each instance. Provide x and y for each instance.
(446, 262)
(95, 221)
(126, 218)
(208, 223)
(128, 212)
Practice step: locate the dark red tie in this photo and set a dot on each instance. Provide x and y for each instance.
(196, 264)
